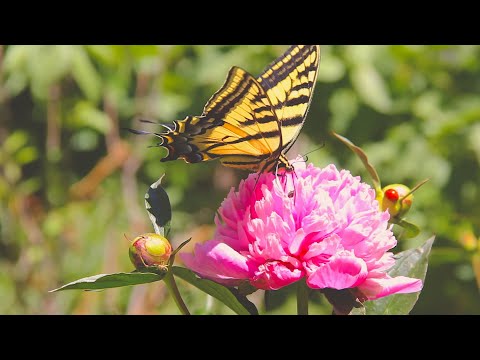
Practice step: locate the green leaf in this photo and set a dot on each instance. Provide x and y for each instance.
(107, 281)
(361, 154)
(412, 263)
(107, 54)
(230, 297)
(371, 87)
(85, 75)
(158, 207)
(14, 142)
(85, 113)
(410, 230)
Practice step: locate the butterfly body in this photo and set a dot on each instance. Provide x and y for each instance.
(250, 123)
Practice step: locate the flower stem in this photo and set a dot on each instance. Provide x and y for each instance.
(302, 298)
(172, 287)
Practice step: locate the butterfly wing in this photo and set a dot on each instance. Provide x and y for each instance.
(238, 126)
(289, 82)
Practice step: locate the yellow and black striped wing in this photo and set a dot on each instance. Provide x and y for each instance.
(289, 82)
(238, 126)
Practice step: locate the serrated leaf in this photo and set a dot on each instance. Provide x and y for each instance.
(230, 297)
(412, 263)
(364, 158)
(159, 209)
(107, 281)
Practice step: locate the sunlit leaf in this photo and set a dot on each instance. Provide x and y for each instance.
(107, 281)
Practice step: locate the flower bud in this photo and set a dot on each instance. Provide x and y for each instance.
(391, 199)
(150, 250)
(468, 241)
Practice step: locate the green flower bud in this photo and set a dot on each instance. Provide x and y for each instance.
(392, 199)
(150, 250)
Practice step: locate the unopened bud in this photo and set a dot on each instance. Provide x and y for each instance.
(469, 241)
(150, 250)
(392, 199)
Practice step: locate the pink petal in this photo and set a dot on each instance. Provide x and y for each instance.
(322, 251)
(217, 261)
(375, 288)
(275, 275)
(343, 271)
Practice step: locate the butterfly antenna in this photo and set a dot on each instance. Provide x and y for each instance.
(142, 132)
(305, 156)
(155, 123)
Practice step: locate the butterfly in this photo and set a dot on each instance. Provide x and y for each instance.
(250, 123)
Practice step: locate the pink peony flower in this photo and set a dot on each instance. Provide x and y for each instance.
(322, 224)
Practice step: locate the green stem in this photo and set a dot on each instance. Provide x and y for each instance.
(302, 298)
(172, 287)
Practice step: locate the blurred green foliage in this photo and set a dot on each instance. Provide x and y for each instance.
(72, 182)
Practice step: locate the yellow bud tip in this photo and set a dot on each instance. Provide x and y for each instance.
(150, 250)
(156, 246)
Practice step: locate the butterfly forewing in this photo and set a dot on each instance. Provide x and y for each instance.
(289, 82)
